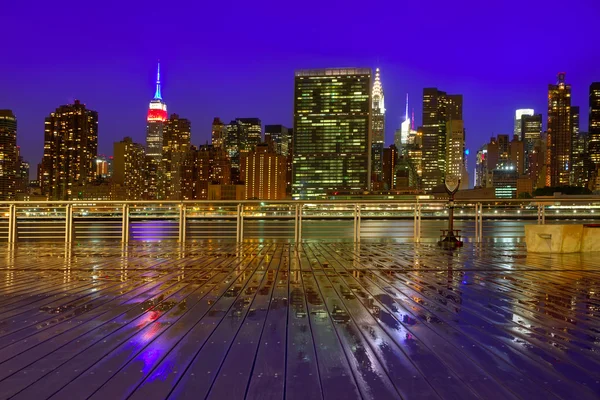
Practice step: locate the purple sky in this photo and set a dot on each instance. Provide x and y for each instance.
(237, 58)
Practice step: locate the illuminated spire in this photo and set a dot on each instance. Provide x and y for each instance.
(378, 93)
(157, 95)
(157, 109)
(406, 113)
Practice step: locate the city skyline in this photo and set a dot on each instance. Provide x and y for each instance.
(106, 148)
(256, 81)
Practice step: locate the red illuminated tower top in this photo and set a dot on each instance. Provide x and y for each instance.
(157, 111)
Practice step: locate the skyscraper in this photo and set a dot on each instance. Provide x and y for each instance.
(156, 119)
(70, 150)
(531, 130)
(103, 166)
(219, 133)
(378, 118)
(203, 167)
(390, 159)
(481, 167)
(253, 129)
(279, 136)
(531, 133)
(21, 176)
(559, 147)
(594, 124)
(438, 108)
(263, 173)
(516, 151)
(405, 129)
(578, 151)
(176, 143)
(455, 149)
(235, 144)
(332, 132)
(129, 170)
(8, 155)
(519, 114)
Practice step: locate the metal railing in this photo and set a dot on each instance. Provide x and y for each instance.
(293, 221)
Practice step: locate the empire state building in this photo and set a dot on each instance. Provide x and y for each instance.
(156, 119)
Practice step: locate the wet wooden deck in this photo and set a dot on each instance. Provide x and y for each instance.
(271, 321)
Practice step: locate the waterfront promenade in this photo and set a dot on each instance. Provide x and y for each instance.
(318, 320)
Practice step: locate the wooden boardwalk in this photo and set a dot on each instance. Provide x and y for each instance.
(318, 321)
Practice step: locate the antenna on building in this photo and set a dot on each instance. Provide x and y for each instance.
(157, 94)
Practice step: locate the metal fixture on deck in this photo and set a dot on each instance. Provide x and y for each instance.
(451, 237)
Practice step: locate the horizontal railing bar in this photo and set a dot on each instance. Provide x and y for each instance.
(271, 232)
(154, 238)
(41, 232)
(263, 203)
(80, 228)
(99, 237)
(42, 221)
(190, 217)
(32, 220)
(41, 237)
(84, 233)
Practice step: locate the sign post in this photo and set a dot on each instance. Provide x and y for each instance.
(450, 238)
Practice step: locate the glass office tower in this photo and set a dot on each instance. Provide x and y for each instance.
(332, 132)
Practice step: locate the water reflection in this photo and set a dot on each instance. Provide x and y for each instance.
(124, 262)
(339, 314)
(10, 267)
(68, 255)
(297, 301)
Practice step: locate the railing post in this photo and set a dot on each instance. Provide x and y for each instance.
(296, 213)
(478, 222)
(355, 214)
(543, 215)
(300, 223)
(125, 224)
(237, 223)
(12, 224)
(241, 223)
(481, 222)
(358, 220)
(182, 223)
(417, 223)
(69, 223)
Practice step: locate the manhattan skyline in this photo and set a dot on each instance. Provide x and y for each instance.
(243, 71)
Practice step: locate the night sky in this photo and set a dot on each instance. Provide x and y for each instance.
(237, 58)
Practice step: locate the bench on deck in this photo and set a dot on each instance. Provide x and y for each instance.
(572, 238)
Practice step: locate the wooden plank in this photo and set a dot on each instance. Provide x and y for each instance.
(430, 311)
(482, 318)
(61, 353)
(302, 375)
(199, 323)
(130, 344)
(201, 373)
(329, 320)
(269, 372)
(409, 355)
(335, 373)
(233, 378)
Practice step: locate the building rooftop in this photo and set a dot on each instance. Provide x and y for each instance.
(334, 71)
